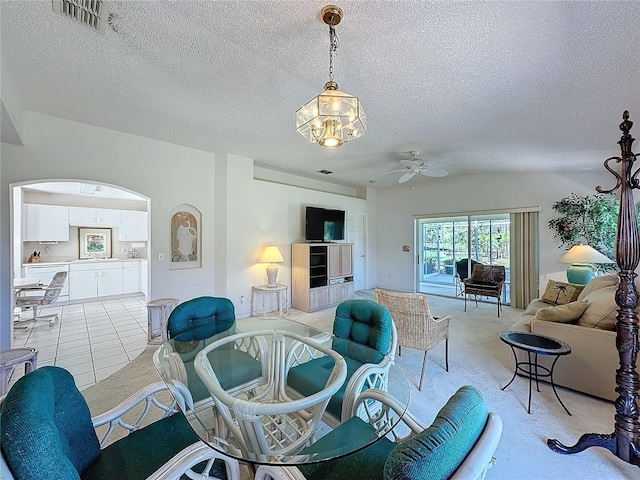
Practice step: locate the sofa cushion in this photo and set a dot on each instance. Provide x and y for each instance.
(535, 305)
(597, 283)
(562, 313)
(601, 309)
(561, 293)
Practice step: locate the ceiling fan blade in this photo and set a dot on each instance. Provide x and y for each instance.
(396, 171)
(407, 176)
(434, 172)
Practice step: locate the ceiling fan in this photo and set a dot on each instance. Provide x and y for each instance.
(414, 166)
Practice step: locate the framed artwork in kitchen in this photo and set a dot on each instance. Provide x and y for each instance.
(94, 242)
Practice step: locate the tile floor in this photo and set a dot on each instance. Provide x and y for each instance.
(92, 340)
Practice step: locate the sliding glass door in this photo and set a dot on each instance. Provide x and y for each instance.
(444, 241)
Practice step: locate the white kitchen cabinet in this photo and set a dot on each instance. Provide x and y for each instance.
(91, 279)
(94, 217)
(130, 277)
(133, 226)
(144, 277)
(45, 223)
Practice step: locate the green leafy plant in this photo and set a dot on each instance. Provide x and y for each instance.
(591, 219)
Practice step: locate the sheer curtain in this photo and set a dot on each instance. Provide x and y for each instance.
(524, 258)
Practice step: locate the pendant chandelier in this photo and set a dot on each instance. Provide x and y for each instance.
(333, 117)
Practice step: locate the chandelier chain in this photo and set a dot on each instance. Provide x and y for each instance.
(333, 49)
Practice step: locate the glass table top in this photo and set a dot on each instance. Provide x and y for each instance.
(237, 391)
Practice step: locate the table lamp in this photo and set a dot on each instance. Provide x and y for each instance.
(271, 255)
(582, 258)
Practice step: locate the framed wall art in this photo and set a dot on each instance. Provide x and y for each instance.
(186, 237)
(94, 242)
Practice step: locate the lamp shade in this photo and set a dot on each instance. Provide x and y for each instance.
(581, 258)
(271, 255)
(584, 254)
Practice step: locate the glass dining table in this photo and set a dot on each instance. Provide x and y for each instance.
(232, 388)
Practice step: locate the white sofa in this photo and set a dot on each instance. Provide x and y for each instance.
(591, 366)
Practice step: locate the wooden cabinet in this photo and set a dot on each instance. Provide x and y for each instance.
(93, 279)
(94, 217)
(133, 226)
(321, 275)
(45, 223)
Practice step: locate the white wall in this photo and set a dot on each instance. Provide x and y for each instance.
(240, 215)
(468, 193)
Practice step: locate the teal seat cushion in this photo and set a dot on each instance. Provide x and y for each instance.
(439, 450)
(46, 429)
(142, 452)
(233, 367)
(366, 464)
(311, 377)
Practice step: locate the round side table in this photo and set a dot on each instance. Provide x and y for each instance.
(158, 312)
(538, 345)
(10, 358)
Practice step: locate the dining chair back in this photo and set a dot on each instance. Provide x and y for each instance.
(417, 327)
(365, 335)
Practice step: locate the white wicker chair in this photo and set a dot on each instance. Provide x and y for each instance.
(382, 412)
(266, 423)
(57, 417)
(417, 328)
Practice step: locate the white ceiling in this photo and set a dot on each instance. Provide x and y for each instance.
(476, 86)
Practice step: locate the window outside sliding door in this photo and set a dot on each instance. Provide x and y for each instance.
(443, 241)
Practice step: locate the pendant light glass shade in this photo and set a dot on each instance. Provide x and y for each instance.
(332, 118)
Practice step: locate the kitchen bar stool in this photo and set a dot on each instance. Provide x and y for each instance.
(158, 313)
(11, 357)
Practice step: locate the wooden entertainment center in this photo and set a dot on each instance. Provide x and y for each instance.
(321, 276)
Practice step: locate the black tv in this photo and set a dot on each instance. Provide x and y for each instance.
(323, 224)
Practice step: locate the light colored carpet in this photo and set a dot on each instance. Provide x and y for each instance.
(476, 357)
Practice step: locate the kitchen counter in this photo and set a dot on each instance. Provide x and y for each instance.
(89, 260)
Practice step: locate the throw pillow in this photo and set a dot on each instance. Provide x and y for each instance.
(562, 313)
(598, 283)
(602, 309)
(561, 293)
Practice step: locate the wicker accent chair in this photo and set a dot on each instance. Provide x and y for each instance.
(361, 322)
(459, 444)
(462, 272)
(47, 433)
(49, 295)
(485, 281)
(417, 328)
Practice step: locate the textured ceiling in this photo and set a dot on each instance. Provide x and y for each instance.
(476, 86)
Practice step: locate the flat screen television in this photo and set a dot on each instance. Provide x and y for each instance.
(323, 224)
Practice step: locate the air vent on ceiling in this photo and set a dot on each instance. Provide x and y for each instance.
(90, 13)
(325, 172)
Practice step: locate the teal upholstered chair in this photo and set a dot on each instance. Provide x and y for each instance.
(459, 444)
(357, 322)
(191, 323)
(47, 433)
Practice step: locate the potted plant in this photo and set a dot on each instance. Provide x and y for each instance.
(590, 219)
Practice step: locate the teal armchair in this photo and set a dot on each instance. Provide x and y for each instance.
(47, 433)
(357, 323)
(459, 444)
